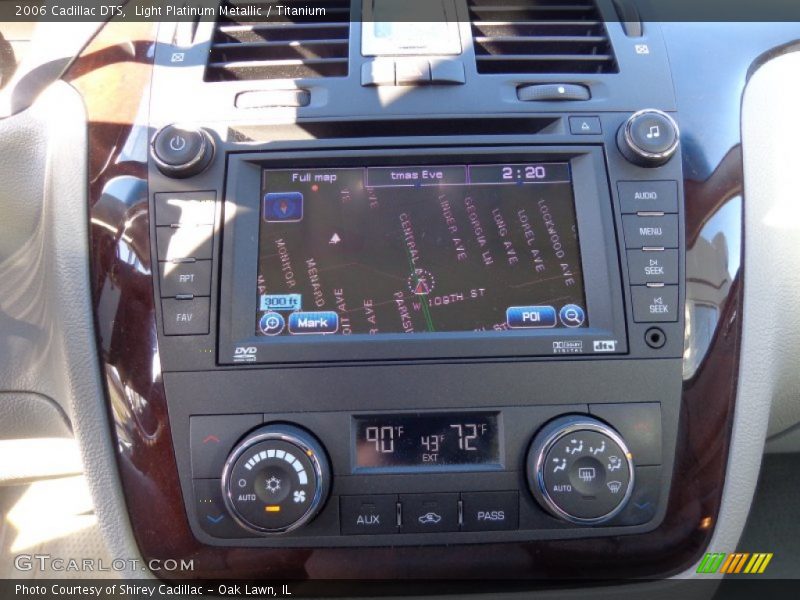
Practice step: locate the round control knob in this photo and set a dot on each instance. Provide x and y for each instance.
(649, 138)
(580, 470)
(180, 151)
(276, 479)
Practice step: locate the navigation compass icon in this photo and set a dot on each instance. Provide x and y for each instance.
(421, 282)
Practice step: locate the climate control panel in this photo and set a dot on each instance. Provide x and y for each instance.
(267, 479)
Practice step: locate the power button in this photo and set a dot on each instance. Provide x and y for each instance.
(182, 151)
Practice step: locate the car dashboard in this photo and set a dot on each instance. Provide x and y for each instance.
(460, 298)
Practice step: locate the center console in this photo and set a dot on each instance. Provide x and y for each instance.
(433, 343)
(416, 305)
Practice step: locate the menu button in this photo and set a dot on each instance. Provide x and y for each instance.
(650, 231)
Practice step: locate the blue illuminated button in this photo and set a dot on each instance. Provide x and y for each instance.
(271, 323)
(524, 317)
(313, 322)
(283, 207)
(572, 315)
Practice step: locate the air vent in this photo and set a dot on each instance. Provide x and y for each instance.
(540, 36)
(311, 45)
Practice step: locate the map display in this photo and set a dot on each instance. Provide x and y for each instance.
(419, 249)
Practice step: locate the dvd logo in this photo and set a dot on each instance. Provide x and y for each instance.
(245, 354)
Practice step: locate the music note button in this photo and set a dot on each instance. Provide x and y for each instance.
(649, 138)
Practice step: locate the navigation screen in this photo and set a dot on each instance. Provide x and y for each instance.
(420, 249)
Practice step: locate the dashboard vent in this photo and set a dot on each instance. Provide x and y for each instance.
(540, 36)
(283, 47)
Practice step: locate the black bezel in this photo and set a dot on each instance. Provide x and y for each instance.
(600, 264)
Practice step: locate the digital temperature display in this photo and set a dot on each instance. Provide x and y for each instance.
(457, 441)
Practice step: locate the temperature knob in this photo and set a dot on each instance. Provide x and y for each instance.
(649, 138)
(276, 479)
(580, 470)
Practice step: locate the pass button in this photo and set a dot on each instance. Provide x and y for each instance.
(490, 511)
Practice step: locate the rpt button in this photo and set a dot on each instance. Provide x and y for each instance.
(189, 278)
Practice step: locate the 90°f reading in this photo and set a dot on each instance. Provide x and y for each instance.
(438, 441)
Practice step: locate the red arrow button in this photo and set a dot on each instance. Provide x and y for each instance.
(211, 438)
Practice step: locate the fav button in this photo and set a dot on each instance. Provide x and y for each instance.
(185, 317)
(368, 514)
(524, 317)
(313, 322)
(490, 511)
